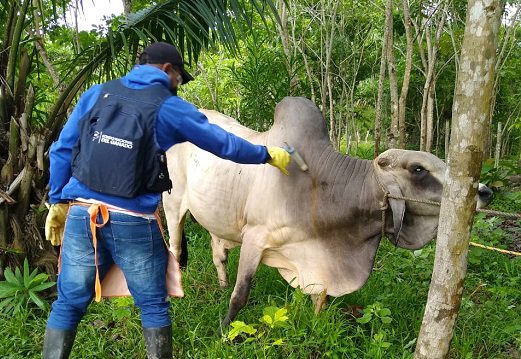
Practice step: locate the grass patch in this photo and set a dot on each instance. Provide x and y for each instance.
(488, 326)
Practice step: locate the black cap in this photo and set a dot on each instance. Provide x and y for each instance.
(163, 52)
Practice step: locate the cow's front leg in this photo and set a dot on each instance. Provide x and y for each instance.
(220, 257)
(249, 259)
(319, 300)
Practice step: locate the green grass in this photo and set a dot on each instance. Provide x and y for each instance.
(488, 326)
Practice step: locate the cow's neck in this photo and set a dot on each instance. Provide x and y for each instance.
(347, 207)
(345, 181)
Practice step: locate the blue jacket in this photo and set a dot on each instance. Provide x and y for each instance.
(177, 121)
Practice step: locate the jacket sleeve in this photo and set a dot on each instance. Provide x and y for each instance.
(179, 121)
(61, 150)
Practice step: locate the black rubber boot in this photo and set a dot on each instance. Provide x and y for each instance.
(58, 343)
(158, 342)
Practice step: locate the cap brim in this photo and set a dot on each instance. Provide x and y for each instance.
(186, 76)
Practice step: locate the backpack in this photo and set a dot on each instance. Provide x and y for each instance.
(117, 152)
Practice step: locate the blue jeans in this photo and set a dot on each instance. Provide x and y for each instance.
(135, 244)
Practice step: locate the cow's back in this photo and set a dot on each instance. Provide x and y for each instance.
(214, 190)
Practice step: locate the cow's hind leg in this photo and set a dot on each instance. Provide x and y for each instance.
(220, 257)
(249, 259)
(175, 213)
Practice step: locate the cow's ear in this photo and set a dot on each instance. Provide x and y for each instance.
(398, 208)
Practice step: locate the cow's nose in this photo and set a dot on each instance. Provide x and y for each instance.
(485, 194)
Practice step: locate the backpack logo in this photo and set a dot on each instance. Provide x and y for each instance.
(111, 140)
(97, 136)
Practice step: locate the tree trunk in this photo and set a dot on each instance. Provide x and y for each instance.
(327, 88)
(394, 133)
(381, 79)
(429, 64)
(10, 167)
(447, 138)
(213, 92)
(402, 102)
(507, 42)
(127, 7)
(498, 146)
(470, 110)
(15, 44)
(39, 43)
(308, 70)
(24, 193)
(429, 118)
(286, 46)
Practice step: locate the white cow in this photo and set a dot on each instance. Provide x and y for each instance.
(319, 228)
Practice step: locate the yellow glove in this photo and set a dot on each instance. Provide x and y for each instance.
(279, 158)
(55, 223)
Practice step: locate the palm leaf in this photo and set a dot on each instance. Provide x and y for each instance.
(8, 289)
(190, 25)
(40, 278)
(18, 275)
(37, 300)
(42, 286)
(6, 305)
(27, 275)
(10, 277)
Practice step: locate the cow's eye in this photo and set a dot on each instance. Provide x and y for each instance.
(417, 169)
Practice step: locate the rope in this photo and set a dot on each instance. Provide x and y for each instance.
(426, 201)
(388, 195)
(498, 213)
(487, 211)
(495, 249)
(383, 209)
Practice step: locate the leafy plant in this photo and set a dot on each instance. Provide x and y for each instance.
(272, 318)
(363, 150)
(507, 201)
(378, 317)
(497, 177)
(375, 312)
(490, 231)
(19, 289)
(124, 307)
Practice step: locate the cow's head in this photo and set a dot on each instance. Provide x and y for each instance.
(418, 175)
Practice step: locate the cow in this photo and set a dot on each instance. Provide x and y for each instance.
(320, 228)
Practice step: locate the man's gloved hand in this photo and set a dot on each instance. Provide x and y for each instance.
(279, 158)
(55, 223)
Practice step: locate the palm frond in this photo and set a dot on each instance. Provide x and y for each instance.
(191, 25)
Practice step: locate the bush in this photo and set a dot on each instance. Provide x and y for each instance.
(19, 290)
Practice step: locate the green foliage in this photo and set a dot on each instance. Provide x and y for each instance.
(506, 201)
(20, 289)
(262, 82)
(486, 231)
(497, 178)
(375, 313)
(272, 318)
(377, 317)
(392, 299)
(124, 308)
(363, 150)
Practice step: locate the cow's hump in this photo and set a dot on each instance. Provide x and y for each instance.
(297, 118)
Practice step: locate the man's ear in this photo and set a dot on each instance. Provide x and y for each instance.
(167, 67)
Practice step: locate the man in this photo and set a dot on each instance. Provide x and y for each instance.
(107, 173)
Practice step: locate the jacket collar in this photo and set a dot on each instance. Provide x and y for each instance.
(144, 75)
